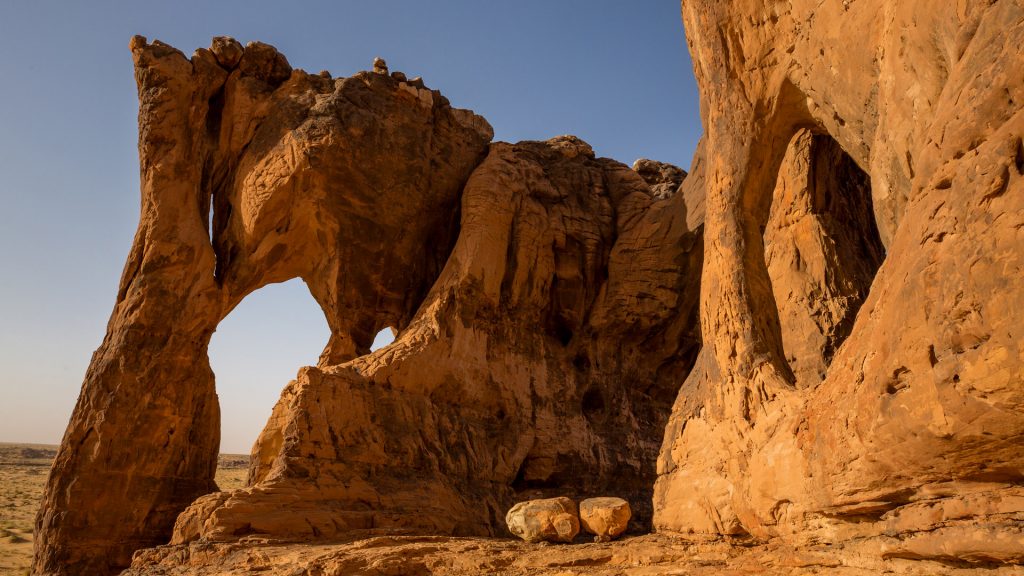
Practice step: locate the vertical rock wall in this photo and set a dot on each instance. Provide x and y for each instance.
(904, 438)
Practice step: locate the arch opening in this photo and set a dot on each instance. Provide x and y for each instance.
(383, 338)
(822, 249)
(256, 350)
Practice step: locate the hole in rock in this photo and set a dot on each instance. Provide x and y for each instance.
(254, 353)
(822, 250)
(383, 338)
(593, 402)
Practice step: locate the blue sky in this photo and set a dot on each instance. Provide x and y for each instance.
(614, 73)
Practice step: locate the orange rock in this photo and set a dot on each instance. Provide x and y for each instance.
(858, 402)
(606, 518)
(545, 301)
(249, 176)
(831, 400)
(550, 519)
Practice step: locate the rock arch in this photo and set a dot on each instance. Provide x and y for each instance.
(522, 279)
(287, 163)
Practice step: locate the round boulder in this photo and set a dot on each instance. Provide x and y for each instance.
(606, 518)
(550, 519)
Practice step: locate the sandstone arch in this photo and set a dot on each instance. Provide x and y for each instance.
(271, 151)
(547, 325)
(526, 280)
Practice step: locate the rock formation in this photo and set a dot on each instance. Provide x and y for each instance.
(606, 517)
(857, 404)
(545, 301)
(840, 398)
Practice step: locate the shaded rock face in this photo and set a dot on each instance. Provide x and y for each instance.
(546, 302)
(848, 392)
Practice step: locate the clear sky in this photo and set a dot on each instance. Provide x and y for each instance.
(613, 72)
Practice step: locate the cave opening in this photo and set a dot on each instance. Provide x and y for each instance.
(256, 350)
(822, 250)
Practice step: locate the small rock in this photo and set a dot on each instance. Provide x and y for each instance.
(550, 519)
(400, 76)
(265, 63)
(380, 66)
(227, 51)
(606, 518)
(663, 178)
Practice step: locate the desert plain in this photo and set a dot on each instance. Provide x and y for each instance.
(23, 470)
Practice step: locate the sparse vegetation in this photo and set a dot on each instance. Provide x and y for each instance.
(23, 471)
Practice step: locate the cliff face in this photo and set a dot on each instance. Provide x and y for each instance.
(847, 246)
(832, 402)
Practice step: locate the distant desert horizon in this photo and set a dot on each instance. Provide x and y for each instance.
(24, 467)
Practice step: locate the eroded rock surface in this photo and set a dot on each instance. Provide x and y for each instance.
(648, 555)
(857, 406)
(490, 395)
(252, 173)
(545, 301)
(832, 402)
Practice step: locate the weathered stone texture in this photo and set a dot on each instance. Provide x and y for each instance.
(490, 394)
(831, 404)
(288, 170)
(545, 301)
(847, 246)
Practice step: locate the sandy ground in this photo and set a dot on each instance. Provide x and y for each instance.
(23, 469)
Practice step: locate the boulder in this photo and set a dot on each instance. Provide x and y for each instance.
(606, 518)
(549, 519)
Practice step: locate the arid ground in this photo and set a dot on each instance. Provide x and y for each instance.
(23, 469)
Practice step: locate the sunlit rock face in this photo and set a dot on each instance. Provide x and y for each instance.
(861, 377)
(809, 344)
(546, 303)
